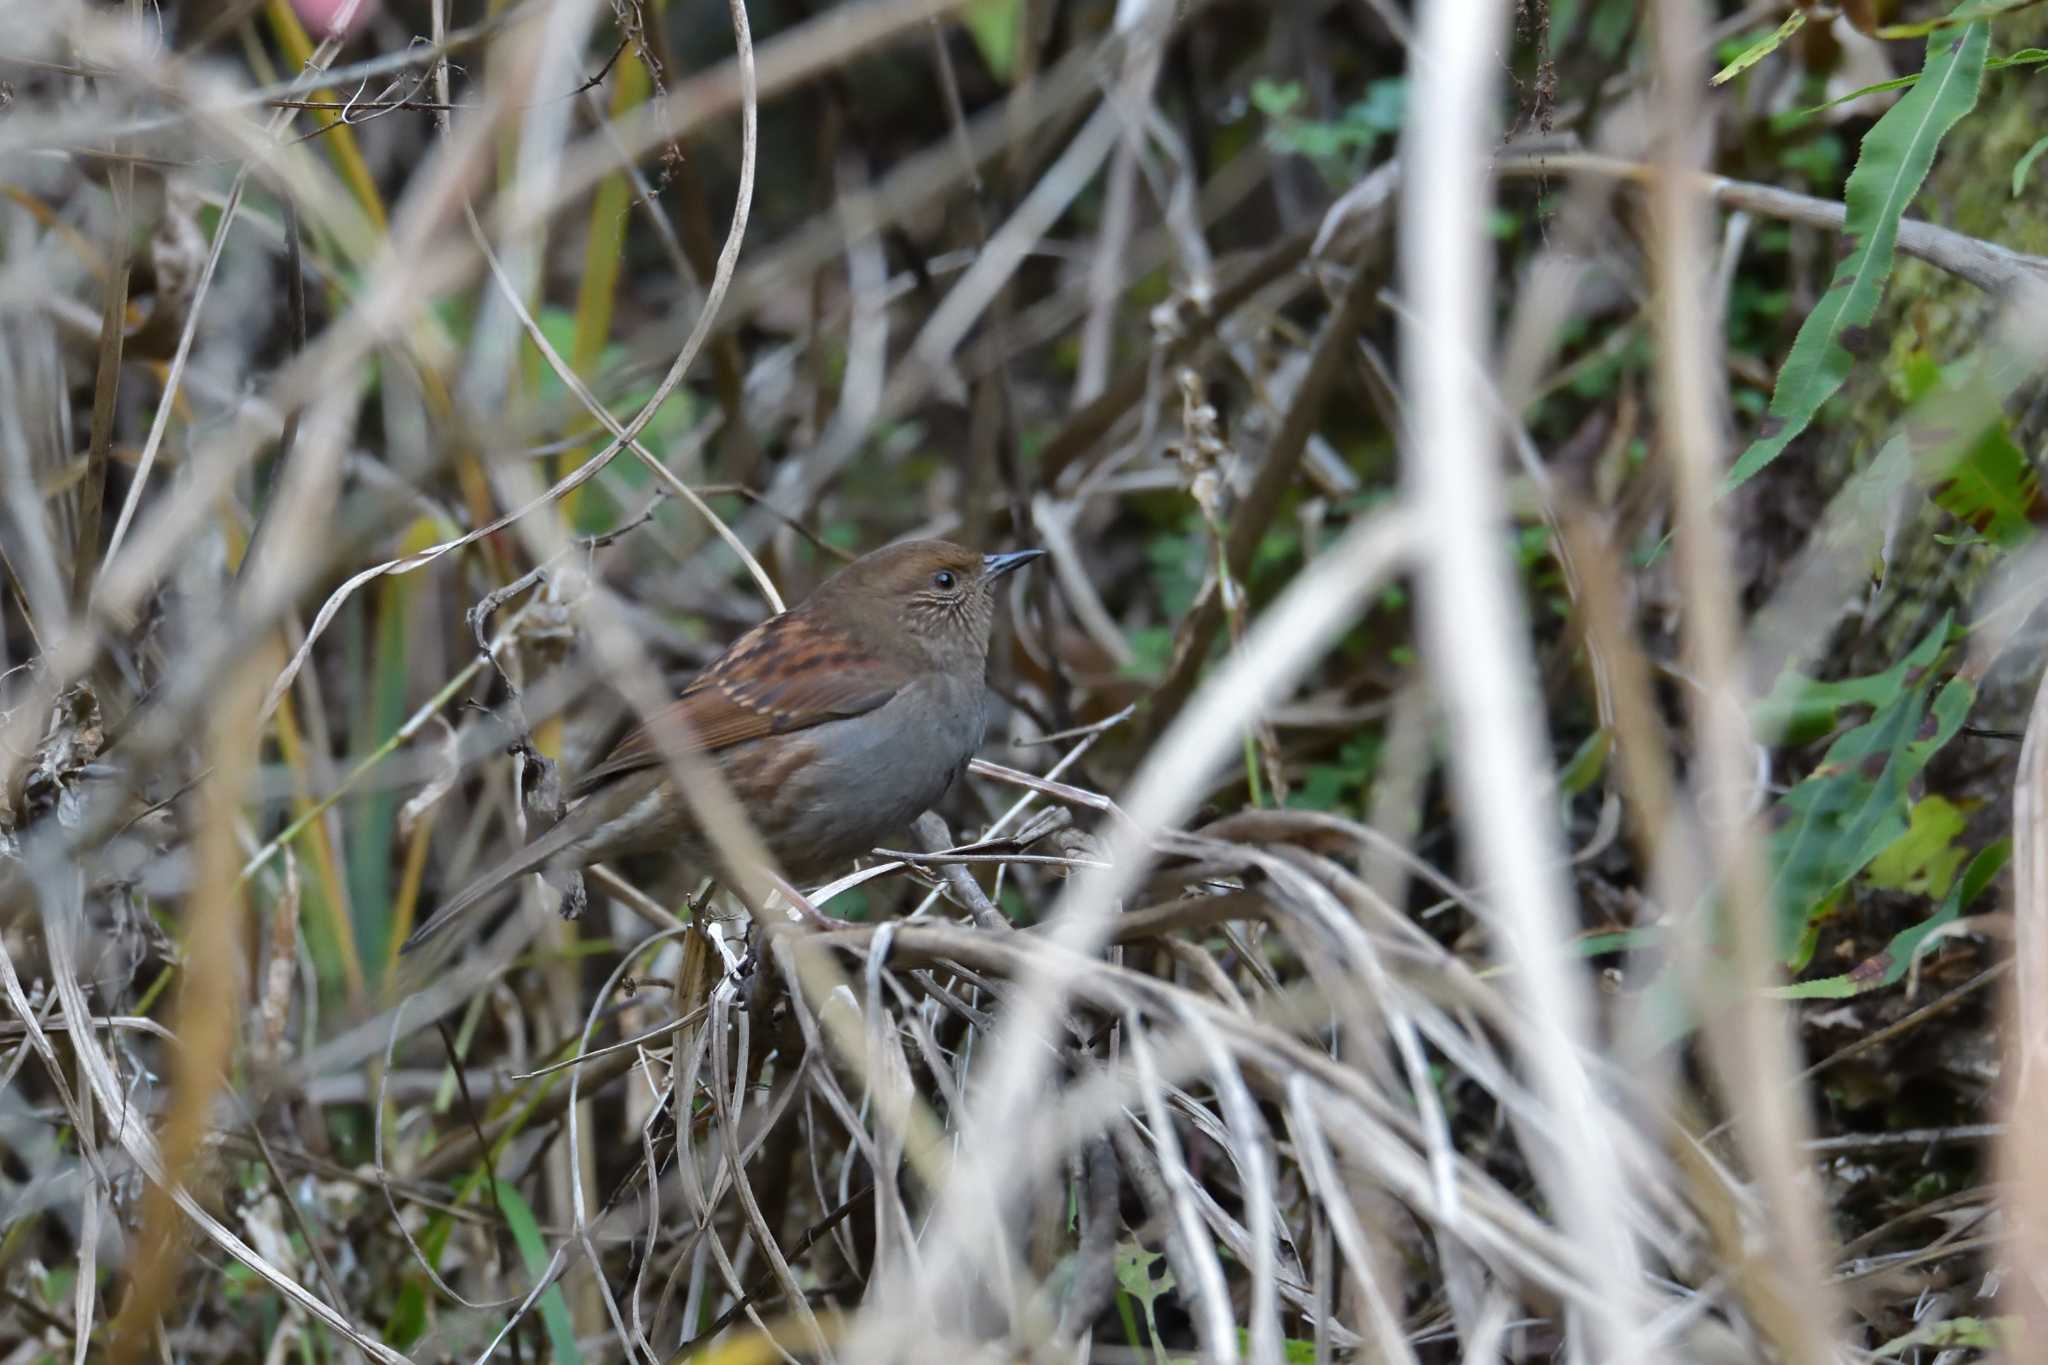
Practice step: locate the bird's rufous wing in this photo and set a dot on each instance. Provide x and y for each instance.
(788, 673)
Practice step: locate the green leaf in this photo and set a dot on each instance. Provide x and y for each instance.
(1803, 710)
(1977, 877)
(409, 1316)
(1991, 486)
(1585, 766)
(1276, 99)
(1984, 1334)
(1792, 119)
(1293, 1350)
(1179, 561)
(1142, 1276)
(2025, 164)
(1384, 107)
(1761, 49)
(1924, 860)
(533, 1250)
(1889, 967)
(1335, 145)
(1339, 784)
(993, 26)
(1893, 162)
(1961, 14)
(1139, 1274)
(1616, 941)
(2026, 56)
(1854, 805)
(1129, 1319)
(1151, 653)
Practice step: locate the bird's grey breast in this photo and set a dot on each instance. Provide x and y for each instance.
(877, 772)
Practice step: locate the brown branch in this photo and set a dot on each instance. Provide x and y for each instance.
(1993, 268)
(961, 888)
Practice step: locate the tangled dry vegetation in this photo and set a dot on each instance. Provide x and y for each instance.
(1367, 933)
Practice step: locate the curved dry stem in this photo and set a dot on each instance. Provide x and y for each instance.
(1749, 1039)
(1473, 626)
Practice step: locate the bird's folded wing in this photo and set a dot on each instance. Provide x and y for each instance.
(786, 674)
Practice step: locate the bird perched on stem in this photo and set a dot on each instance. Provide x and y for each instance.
(834, 724)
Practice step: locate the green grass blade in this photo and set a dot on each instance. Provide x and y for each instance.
(2026, 56)
(2025, 164)
(1894, 160)
(533, 1250)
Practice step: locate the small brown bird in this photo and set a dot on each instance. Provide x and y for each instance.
(835, 724)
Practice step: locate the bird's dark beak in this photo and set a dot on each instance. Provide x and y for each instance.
(995, 566)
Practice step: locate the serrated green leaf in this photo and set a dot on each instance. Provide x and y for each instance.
(1889, 967)
(1797, 702)
(1892, 164)
(1951, 708)
(1854, 805)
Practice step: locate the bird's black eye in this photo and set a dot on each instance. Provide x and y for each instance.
(943, 580)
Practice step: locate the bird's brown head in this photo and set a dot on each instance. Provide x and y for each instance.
(927, 603)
